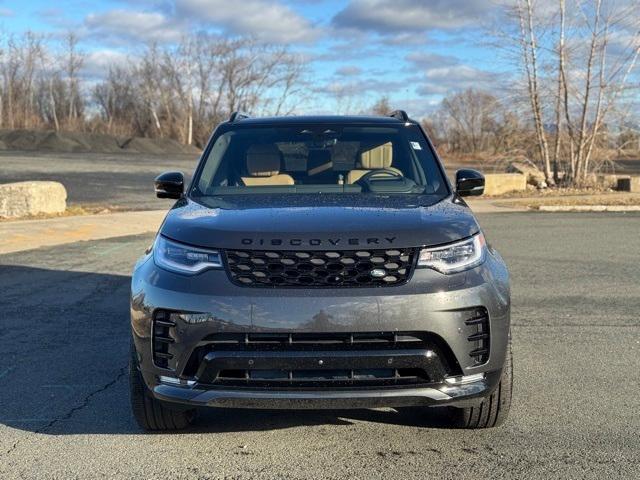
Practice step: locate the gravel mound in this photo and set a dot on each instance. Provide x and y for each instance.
(62, 142)
(156, 145)
(57, 142)
(22, 139)
(96, 142)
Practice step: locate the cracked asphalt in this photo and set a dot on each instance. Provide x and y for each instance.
(64, 409)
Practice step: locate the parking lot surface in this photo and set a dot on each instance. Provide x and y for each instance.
(64, 409)
(119, 180)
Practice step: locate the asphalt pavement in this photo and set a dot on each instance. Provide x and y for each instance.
(119, 180)
(64, 409)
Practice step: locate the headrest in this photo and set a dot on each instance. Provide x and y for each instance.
(378, 157)
(263, 160)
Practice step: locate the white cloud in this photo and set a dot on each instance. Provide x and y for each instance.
(388, 17)
(361, 87)
(445, 79)
(405, 39)
(263, 19)
(348, 71)
(97, 63)
(120, 26)
(430, 60)
(441, 74)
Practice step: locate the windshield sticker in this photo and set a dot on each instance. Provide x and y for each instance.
(416, 146)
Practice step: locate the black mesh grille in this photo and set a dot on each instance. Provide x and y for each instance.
(335, 268)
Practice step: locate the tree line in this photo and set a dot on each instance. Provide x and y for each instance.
(573, 105)
(175, 91)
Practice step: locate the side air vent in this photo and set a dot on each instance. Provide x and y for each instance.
(162, 339)
(480, 337)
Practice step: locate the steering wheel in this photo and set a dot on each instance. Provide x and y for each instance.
(380, 172)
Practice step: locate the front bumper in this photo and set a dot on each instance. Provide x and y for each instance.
(438, 395)
(431, 303)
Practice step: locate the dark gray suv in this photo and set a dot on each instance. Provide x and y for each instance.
(320, 262)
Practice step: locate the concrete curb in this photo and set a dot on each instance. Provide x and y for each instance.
(492, 205)
(589, 208)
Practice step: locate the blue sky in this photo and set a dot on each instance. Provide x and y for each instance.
(412, 51)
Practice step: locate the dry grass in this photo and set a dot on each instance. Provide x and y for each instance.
(533, 192)
(575, 199)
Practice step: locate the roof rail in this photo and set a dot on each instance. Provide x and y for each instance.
(237, 116)
(400, 115)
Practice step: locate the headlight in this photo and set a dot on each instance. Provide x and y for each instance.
(185, 259)
(455, 257)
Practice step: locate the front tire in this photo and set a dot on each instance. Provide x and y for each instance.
(494, 409)
(152, 414)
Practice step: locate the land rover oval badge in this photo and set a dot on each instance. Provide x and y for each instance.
(378, 273)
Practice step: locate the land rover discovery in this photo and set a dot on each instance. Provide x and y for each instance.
(320, 262)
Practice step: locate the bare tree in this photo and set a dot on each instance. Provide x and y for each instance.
(382, 106)
(74, 59)
(177, 91)
(50, 75)
(529, 45)
(183, 90)
(471, 119)
(118, 100)
(573, 73)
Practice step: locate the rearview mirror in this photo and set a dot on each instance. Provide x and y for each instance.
(169, 185)
(469, 183)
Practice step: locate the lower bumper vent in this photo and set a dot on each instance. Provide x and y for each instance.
(480, 336)
(162, 340)
(311, 360)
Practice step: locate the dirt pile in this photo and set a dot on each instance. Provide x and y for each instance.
(63, 142)
(155, 145)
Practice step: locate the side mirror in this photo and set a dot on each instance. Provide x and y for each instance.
(469, 183)
(169, 185)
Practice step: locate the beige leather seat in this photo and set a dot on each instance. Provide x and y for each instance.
(377, 157)
(263, 166)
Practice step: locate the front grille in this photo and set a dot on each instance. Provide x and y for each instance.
(317, 360)
(335, 268)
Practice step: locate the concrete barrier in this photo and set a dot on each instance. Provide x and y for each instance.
(499, 183)
(533, 174)
(31, 198)
(629, 184)
(609, 180)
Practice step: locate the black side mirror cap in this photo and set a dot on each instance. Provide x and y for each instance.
(469, 183)
(169, 185)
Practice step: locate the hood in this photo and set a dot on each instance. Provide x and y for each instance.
(281, 222)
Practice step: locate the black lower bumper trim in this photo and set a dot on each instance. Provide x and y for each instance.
(441, 394)
(291, 368)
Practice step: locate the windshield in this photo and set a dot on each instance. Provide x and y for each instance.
(299, 159)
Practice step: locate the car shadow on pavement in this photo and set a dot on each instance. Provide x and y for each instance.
(65, 341)
(238, 420)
